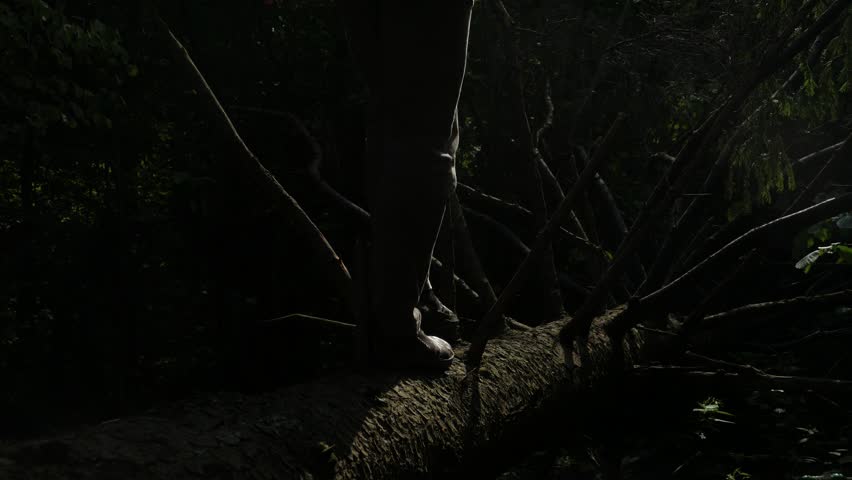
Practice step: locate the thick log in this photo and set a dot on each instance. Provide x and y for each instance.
(377, 425)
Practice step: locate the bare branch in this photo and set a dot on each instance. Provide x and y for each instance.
(550, 297)
(824, 175)
(687, 163)
(483, 201)
(543, 239)
(290, 210)
(812, 157)
(774, 381)
(787, 305)
(721, 289)
(753, 238)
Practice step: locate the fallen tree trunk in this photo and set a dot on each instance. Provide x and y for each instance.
(379, 425)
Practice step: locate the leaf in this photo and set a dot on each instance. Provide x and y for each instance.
(132, 71)
(808, 260)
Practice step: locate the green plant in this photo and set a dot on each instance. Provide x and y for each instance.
(737, 475)
(843, 253)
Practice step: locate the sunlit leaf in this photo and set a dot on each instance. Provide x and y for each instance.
(808, 260)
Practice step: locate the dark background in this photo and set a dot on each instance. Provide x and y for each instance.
(137, 265)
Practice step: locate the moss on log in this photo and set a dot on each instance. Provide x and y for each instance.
(373, 425)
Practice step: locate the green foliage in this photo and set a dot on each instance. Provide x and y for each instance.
(60, 84)
(737, 475)
(56, 72)
(760, 167)
(711, 409)
(842, 252)
(835, 228)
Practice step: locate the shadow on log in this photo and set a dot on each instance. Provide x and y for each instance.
(375, 425)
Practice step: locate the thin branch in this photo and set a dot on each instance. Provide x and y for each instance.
(812, 157)
(268, 185)
(824, 175)
(683, 168)
(714, 179)
(355, 211)
(519, 246)
(616, 229)
(687, 224)
(718, 291)
(550, 181)
(470, 258)
(548, 178)
(460, 284)
(466, 192)
(318, 320)
(503, 231)
(543, 239)
(550, 298)
(775, 381)
(754, 237)
(673, 295)
(811, 337)
(834, 12)
(787, 306)
(749, 370)
(313, 168)
(548, 114)
(471, 195)
(798, 18)
(598, 73)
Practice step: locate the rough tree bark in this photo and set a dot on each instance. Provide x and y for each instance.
(379, 425)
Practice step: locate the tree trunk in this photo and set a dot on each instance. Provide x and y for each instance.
(376, 425)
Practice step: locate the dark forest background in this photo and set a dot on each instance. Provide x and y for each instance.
(137, 265)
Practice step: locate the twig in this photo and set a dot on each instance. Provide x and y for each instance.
(617, 228)
(657, 331)
(785, 381)
(469, 257)
(704, 306)
(843, 153)
(687, 163)
(815, 335)
(460, 283)
(749, 370)
(313, 168)
(320, 320)
(753, 237)
(504, 232)
(787, 305)
(550, 181)
(828, 16)
(549, 294)
(812, 157)
(484, 200)
(543, 239)
(548, 114)
(598, 73)
(686, 225)
(548, 178)
(292, 212)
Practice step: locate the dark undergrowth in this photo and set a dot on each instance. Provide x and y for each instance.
(729, 428)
